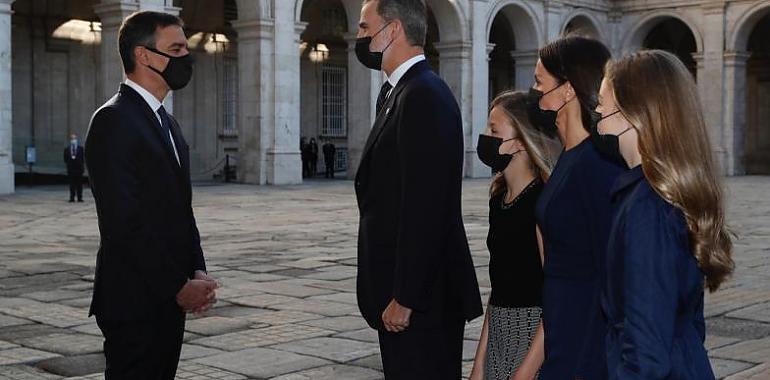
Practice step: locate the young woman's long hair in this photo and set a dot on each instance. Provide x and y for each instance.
(658, 96)
(542, 150)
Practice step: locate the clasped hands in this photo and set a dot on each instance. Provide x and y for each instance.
(199, 294)
(396, 317)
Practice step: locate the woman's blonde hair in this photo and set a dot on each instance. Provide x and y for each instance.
(657, 94)
(541, 149)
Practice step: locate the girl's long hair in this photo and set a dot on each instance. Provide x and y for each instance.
(542, 150)
(658, 96)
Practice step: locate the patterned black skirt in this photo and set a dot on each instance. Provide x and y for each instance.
(510, 333)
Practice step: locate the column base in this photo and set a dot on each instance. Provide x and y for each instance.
(7, 181)
(284, 168)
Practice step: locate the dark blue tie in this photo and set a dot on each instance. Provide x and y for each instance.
(382, 97)
(165, 127)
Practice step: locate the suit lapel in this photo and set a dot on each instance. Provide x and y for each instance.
(388, 109)
(153, 119)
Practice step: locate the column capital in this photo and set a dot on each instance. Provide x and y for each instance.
(254, 29)
(112, 14)
(525, 56)
(736, 58)
(5, 7)
(456, 49)
(614, 16)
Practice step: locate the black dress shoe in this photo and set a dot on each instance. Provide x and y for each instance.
(72, 200)
(80, 200)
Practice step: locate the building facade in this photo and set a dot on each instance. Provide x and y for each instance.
(269, 72)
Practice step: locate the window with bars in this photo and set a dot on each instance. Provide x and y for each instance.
(333, 101)
(341, 159)
(230, 94)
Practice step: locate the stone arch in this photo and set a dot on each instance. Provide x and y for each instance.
(583, 23)
(638, 32)
(738, 38)
(523, 20)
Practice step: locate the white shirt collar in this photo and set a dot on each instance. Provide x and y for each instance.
(151, 100)
(399, 72)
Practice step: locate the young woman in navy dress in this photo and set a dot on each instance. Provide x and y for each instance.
(668, 239)
(573, 211)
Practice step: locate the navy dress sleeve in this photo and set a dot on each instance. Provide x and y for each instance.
(652, 246)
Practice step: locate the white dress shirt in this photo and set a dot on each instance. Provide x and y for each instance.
(154, 104)
(399, 72)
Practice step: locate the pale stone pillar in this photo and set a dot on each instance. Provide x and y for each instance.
(363, 88)
(111, 14)
(6, 125)
(479, 97)
(456, 63)
(255, 97)
(525, 60)
(553, 20)
(710, 74)
(284, 164)
(735, 111)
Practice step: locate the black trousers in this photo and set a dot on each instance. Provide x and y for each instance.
(434, 354)
(329, 169)
(76, 186)
(147, 350)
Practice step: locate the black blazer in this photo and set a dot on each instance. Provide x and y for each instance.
(411, 239)
(75, 166)
(150, 244)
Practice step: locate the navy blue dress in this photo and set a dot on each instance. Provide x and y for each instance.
(653, 296)
(574, 217)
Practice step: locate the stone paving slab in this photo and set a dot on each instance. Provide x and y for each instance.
(286, 258)
(334, 349)
(334, 372)
(65, 344)
(262, 363)
(24, 372)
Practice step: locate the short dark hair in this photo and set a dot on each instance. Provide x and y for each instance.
(413, 15)
(139, 29)
(581, 61)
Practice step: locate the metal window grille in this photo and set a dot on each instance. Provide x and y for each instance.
(334, 101)
(341, 159)
(229, 96)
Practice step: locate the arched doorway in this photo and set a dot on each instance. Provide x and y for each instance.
(513, 42)
(757, 132)
(673, 35)
(207, 107)
(324, 80)
(55, 86)
(502, 67)
(582, 26)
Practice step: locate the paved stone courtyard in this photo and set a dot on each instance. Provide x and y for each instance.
(287, 310)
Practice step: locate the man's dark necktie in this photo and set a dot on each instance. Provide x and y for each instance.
(386, 87)
(165, 126)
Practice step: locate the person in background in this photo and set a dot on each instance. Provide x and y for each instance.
(511, 342)
(313, 157)
(668, 240)
(74, 158)
(573, 211)
(304, 156)
(330, 151)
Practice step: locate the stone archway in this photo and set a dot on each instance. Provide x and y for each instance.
(582, 25)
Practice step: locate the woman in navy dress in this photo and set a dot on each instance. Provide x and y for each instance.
(668, 235)
(573, 211)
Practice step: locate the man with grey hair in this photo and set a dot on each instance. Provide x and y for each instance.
(416, 281)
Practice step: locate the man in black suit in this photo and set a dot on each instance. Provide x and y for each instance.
(416, 281)
(150, 268)
(74, 158)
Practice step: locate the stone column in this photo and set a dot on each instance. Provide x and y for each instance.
(111, 14)
(255, 97)
(456, 63)
(710, 74)
(363, 88)
(734, 111)
(553, 20)
(479, 95)
(6, 125)
(284, 164)
(525, 60)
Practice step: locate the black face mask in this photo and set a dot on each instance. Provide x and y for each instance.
(178, 72)
(488, 150)
(544, 120)
(607, 145)
(370, 59)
